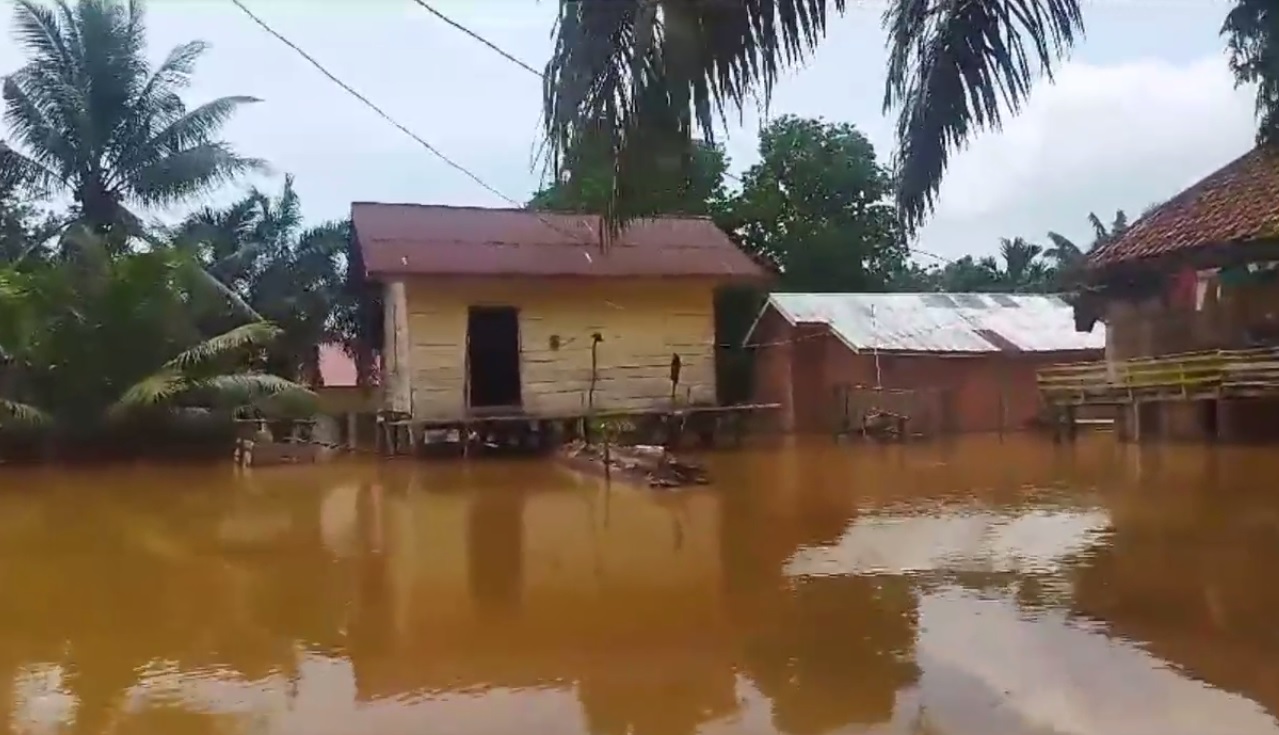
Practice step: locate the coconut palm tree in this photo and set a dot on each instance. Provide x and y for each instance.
(89, 117)
(651, 73)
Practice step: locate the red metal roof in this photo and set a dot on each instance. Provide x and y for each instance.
(337, 369)
(1237, 204)
(414, 239)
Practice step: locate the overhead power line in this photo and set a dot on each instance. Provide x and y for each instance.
(385, 116)
(540, 75)
(369, 103)
(492, 46)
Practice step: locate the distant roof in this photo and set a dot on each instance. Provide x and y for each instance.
(337, 369)
(937, 322)
(1237, 204)
(414, 239)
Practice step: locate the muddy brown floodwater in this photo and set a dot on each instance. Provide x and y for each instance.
(977, 588)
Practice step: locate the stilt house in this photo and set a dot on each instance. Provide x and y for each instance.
(510, 312)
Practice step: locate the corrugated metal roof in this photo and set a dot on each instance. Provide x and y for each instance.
(416, 239)
(936, 322)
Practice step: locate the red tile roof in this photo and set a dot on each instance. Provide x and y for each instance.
(412, 239)
(1235, 205)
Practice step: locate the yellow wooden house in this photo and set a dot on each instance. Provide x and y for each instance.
(510, 312)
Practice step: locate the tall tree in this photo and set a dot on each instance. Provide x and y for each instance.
(1065, 254)
(1252, 30)
(587, 187)
(659, 71)
(89, 117)
(291, 275)
(1018, 269)
(818, 205)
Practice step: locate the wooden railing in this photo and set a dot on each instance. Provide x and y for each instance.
(1184, 376)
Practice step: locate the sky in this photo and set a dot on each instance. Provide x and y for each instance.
(1144, 107)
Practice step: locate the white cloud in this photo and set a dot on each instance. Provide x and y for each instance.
(1148, 107)
(1101, 138)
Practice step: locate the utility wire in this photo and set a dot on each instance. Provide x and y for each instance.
(385, 116)
(540, 75)
(492, 46)
(368, 103)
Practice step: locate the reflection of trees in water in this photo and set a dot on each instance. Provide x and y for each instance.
(1187, 576)
(835, 651)
(113, 583)
(665, 700)
(828, 651)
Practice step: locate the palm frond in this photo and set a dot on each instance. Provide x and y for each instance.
(645, 74)
(156, 101)
(1064, 250)
(237, 390)
(18, 414)
(190, 172)
(182, 130)
(957, 67)
(205, 279)
(253, 334)
(154, 390)
(37, 29)
(1252, 37)
(20, 172)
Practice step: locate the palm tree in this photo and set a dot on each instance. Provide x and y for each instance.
(291, 276)
(1064, 253)
(1022, 270)
(89, 117)
(651, 73)
(98, 339)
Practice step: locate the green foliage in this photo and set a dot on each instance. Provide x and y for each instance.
(292, 276)
(642, 75)
(100, 338)
(1065, 254)
(695, 189)
(657, 71)
(609, 430)
(818, 206)
(88, 116)
(1252, 36)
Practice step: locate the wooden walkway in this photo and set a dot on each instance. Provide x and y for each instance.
(402, 434)
(1189, 376)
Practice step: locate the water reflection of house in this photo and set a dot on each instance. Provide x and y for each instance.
(546, 588)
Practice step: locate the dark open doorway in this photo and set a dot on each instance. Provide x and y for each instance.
(493, 356)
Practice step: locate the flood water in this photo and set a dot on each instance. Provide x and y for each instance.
(978, 588)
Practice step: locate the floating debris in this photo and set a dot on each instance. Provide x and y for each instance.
(642, 463)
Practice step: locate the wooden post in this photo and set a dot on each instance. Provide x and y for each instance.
(352, 439)
(399, 368)
(1134, 425)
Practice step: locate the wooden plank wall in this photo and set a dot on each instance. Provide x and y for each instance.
(642, 323)
(1151, 328)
